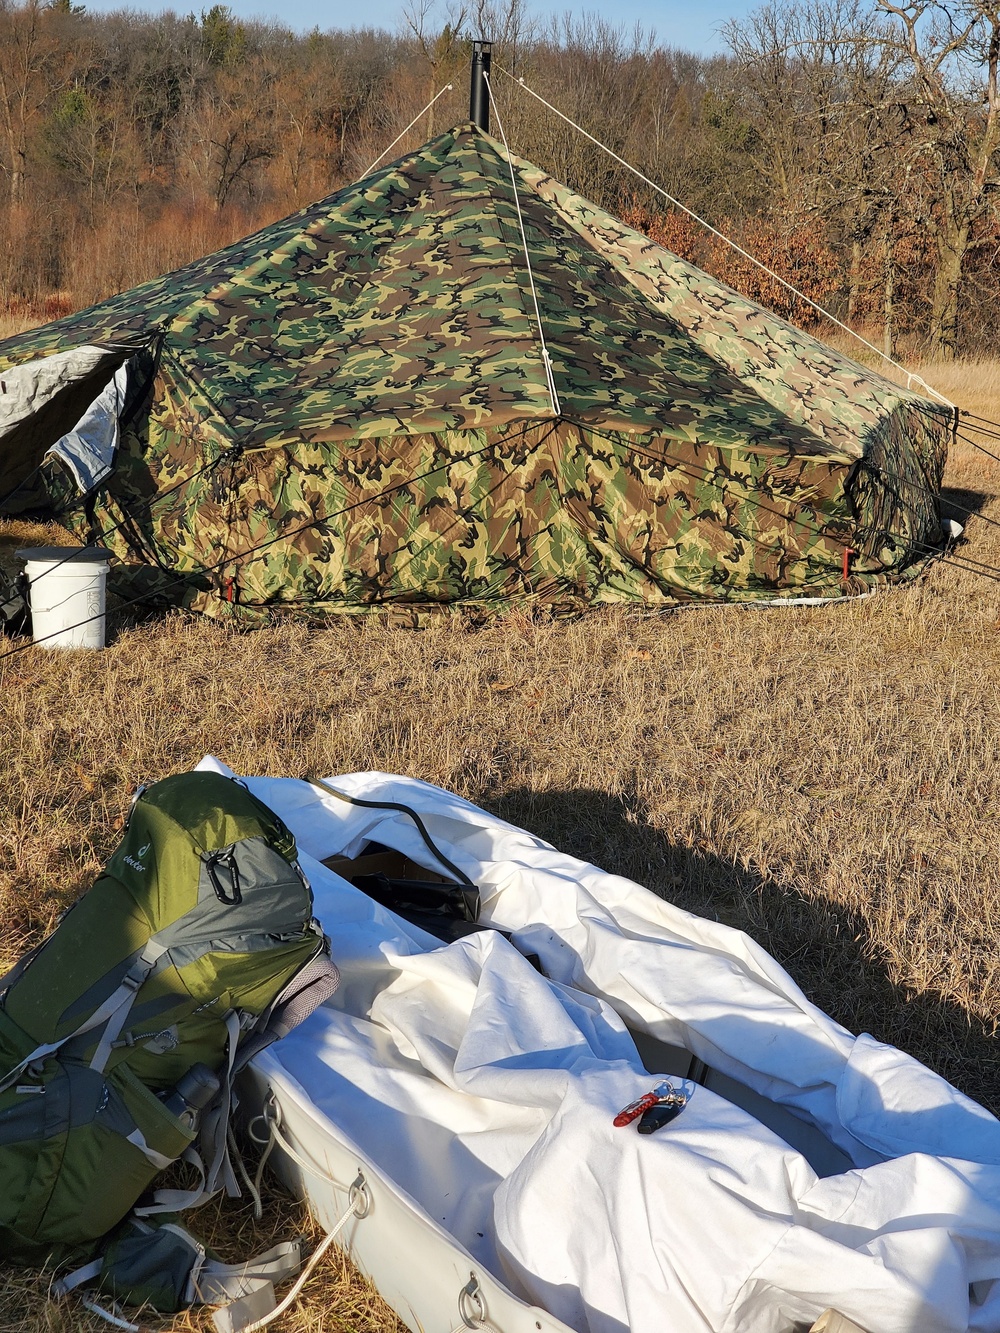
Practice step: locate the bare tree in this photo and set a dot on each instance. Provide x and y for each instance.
(881, 116)
(949, 110)
(443, 52)
(34, 65)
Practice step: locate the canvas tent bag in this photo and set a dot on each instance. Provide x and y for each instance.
(197, 945)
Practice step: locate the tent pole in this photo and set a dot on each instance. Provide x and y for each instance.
(479, 97)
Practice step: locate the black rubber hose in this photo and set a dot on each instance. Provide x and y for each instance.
(460, 875)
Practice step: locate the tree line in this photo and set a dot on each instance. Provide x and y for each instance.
(851, 145)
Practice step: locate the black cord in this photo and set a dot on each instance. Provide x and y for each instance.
(963, 562)
(962, 509)
(976, 417)
(976, 445)
(988, 431)
(405, 810)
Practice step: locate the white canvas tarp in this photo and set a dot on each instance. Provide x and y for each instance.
(486, 1092)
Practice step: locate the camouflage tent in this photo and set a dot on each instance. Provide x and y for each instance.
(366, 404)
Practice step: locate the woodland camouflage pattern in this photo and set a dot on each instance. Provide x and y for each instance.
(374, 362)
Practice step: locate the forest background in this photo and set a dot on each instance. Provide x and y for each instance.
(849, 144)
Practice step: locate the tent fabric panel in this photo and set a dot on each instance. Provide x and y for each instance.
(621, 361)
(424, 313)
(431, 336)
(141, 310)
(838, 399)
(895, 492)
(25, 389)
(430, 518)
(402, 304)
(538, 512)
(88, 450)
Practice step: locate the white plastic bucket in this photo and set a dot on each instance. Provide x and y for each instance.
(67, 594)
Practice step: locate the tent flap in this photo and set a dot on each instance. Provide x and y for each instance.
(88, 450)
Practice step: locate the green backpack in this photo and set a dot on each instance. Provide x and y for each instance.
(194, 949)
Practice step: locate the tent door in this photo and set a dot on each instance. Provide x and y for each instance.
(43, 401)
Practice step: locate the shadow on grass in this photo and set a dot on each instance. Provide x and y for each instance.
(827, 950)
(960, 504)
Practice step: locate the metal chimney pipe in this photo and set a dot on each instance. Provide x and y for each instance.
(479, 96)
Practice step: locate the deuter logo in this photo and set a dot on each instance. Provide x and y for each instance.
(132, 860)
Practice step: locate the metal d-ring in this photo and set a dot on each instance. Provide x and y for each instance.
(359, 1191)
(472, 1294)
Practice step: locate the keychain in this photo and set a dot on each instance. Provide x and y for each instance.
(654, 1109)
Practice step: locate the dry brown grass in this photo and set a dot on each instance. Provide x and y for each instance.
(336, 1300)
(11, 324)
(825, 778)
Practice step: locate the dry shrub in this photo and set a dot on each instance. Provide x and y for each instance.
(125, 247)
(14, 323)
(797, 251)
(671, 228)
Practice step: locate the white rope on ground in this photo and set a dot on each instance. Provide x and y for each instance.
(306, 1273)
(547, 360)
(275, 1136)
(110, 1318)
(259, 1175)
(252, 1185)
(356, 1194)
(301, 1161)
(911, 377)
(368, 170)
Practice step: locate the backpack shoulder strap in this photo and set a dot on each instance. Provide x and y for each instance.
(112, 1013)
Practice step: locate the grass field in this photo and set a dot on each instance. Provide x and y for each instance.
(827, 779)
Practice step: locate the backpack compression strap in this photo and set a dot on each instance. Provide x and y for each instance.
(112, 1013)
(310, 987)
